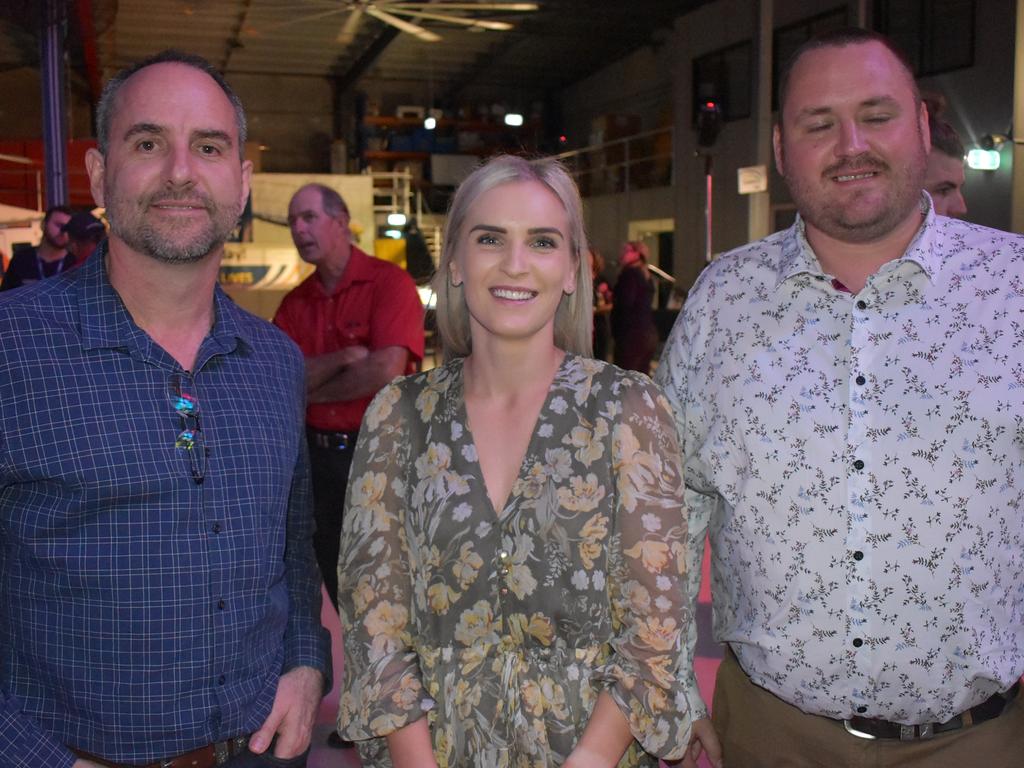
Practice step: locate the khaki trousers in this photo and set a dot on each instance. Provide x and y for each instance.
(760, 730)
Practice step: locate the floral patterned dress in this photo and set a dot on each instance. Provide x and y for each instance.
(502, 627)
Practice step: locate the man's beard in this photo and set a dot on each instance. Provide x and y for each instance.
(832, 217)
(54, 244)
(162, 240)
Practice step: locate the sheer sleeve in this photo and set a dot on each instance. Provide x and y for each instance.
(650, 672)
(382, 688)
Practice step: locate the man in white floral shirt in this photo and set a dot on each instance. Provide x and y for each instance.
(850, 397)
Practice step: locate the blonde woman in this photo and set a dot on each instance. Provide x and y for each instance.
(512, 556)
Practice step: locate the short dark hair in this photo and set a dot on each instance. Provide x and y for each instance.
(105, 105)
(840, 38)
(56, 209)
(944, 136)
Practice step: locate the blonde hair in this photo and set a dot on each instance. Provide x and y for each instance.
(575, 315)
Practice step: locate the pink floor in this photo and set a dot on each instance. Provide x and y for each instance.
(322, 756)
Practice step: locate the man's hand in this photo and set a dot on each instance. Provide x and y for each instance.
(81, 763)
(293, 714)
(702, 739)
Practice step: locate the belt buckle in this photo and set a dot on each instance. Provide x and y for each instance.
(221, 752)
(859, 734)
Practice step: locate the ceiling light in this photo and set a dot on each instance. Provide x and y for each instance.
(394, 234)
(513, 118)
(430, 123)
(983, 159)
(396, 219)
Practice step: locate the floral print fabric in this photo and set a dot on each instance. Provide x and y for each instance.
(858, 461)
(503, 627)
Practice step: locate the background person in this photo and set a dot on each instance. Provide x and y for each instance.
(85, 232)
(633, 327)
(160, 597)
(852, 444)
(48, 259)
(603, 303)
(359, 323)
(944, 176)
(510, 551)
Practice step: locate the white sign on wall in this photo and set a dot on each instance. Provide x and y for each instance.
(753, 178)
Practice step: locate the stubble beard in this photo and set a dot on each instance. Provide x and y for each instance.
(166, 242)
(54, 244)
(844, 222)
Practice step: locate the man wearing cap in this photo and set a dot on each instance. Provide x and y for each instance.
(85, 232)
(49, 258)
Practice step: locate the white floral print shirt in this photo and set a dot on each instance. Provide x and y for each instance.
(858, 461)
(504, 626)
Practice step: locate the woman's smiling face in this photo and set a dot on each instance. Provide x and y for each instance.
(515, 261)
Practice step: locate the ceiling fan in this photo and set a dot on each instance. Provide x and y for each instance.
(407, 16)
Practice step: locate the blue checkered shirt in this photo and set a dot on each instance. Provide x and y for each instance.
(143, 613)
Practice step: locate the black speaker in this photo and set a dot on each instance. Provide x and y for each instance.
(709, 122)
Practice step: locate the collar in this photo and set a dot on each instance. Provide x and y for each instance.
(357, 270)
(105, 322)
(798, 257)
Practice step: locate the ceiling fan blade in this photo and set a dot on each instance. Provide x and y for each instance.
(465, 6)
(479, 23)
(259, 31)
(348, 31)
(413, 29)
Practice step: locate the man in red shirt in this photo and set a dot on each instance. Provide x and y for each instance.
(359, 323)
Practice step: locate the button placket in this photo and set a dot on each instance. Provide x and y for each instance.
(504, 569)
(862, 359)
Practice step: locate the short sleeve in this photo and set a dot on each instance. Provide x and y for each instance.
(650, 672)
(382, 689)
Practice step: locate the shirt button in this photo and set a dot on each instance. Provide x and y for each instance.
(858, 555)
(504, 590)
(861, 710)
(215, 527)
(503, 555)
(857, 642)
(221, 605)
(858, 464)
(221, 680)
(861, 381)
(861, 304)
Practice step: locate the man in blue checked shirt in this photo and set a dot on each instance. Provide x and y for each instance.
(159, 599)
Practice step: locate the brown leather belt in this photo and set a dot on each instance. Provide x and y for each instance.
(991, 708)
(209, 756)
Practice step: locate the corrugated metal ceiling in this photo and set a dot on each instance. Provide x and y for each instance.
(560, 43)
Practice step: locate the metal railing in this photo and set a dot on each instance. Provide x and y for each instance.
(25, 187)
(640, 161)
